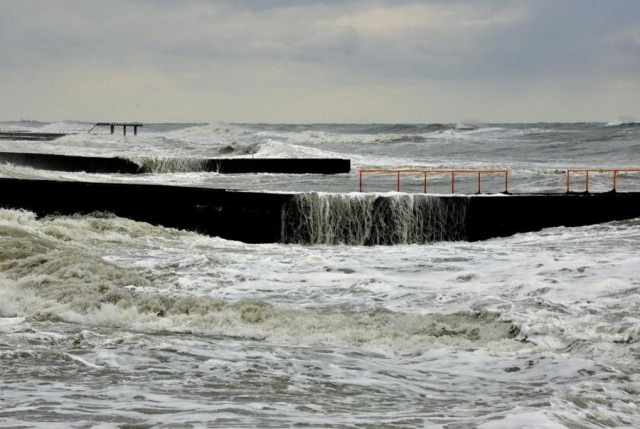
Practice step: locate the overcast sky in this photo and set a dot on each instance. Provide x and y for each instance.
(320, 60)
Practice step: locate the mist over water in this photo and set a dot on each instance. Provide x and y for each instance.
(107, 322)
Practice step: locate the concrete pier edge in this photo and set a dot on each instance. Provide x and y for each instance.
(29, 136)
(88, 164)
(257, 217)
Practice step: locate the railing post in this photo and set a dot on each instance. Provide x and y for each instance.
(568, 181)
(615, 179)
(586, 180)
(453, 182)
(425, 182)
(479, 190)
(360, 180)
(398, 187)
(506, 182)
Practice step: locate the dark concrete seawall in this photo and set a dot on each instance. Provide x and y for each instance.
(278, 165)
(245, 216)
(29, 136)
(255, 217)
(88, 164)
(501, 216)
(70, 163)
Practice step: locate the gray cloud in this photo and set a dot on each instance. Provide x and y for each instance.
(241, 57)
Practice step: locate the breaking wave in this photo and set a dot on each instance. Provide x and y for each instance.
(625, 124)
(46, 276)
(234, 148)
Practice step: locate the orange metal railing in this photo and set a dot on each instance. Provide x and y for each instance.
(587, 171)
(427, 172)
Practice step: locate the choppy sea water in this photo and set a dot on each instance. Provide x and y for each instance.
(107, 322)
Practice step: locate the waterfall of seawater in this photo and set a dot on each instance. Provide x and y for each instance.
(368, 219)
(170, 165)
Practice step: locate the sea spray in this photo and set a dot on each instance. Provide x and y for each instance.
(369, 219)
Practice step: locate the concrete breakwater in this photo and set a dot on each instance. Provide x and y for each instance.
(370, 219)
(244, 216)
(311, 218)
(70, 163)
(120, 165)
(29, 136)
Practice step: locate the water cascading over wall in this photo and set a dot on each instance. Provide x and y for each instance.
(369, 219)
(170, 165)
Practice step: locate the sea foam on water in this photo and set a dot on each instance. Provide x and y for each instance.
(108, 321)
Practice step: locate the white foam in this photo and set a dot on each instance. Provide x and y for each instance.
(522, 418)
(536, 329)
(275, 149)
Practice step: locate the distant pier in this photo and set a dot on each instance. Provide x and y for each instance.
(113, 125)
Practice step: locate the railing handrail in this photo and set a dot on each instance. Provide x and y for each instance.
(427, 171)
(434, 170)
(587, 171)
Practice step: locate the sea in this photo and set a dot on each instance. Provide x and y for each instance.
(106, 322)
